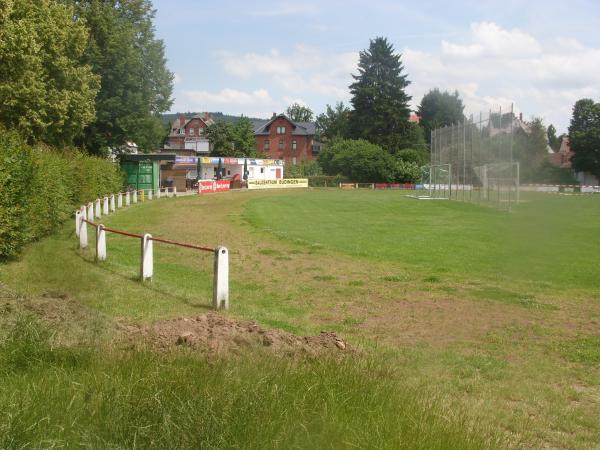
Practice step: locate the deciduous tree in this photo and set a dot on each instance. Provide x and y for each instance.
(438, 109)
(136, 85)
(584, 134)
(334, 122)
(299, 113)
(46, 92)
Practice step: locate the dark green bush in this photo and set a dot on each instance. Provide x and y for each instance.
(326, 180)
(41, 187)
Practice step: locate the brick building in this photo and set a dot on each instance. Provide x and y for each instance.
(281, 138)
(189, 134)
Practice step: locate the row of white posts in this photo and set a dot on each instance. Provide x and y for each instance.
(86, 214)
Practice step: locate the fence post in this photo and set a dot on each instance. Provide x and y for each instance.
(158, 193)
(77, 222)
(149, 194)
(127, 199)
(90, 212)
(83, 241)
(112, 203)
(221, 279)
(143, 195)
(105, 206)
(134, 196)
(147, 263)
(98, 208)
(174, 191)
(119, 200)
(100, 243)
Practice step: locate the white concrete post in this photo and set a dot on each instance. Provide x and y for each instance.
(147, 263)
(77, 222)
(105, 206)
(158, 193)
(119, 200)
(149, 194)
(98, 208)
(127, 199)
(90, 212)
(174, 191)
(112, 203)
(83, 241)
(221, 279)
(134, 196)
(100, 243)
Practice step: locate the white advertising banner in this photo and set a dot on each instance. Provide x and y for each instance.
(279, 183)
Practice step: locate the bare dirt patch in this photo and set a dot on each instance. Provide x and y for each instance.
(214, 333)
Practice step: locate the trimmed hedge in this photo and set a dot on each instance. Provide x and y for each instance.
(326, 180)
(41, 187)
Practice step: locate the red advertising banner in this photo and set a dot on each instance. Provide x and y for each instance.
(208, 186)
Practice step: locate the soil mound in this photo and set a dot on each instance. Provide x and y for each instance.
(214, 333)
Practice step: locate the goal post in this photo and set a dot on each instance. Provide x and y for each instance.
(440, 180)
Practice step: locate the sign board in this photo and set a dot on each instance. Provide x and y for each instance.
(240, 161)
(186, 160)
(208, 186)
(281, 183)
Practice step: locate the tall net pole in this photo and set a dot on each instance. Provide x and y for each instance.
(473, 161)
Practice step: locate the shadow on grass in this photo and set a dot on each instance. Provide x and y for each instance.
(146, 285)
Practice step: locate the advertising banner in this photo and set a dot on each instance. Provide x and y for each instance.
(209, 186)
(280, 183)
(186, 160)
(240, 161)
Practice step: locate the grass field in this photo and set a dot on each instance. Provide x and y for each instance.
(493, 318)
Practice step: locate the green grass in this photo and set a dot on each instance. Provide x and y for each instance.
(549, 239)
(491, 317)
(104, 398)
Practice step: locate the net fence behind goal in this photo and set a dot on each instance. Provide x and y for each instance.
(473, 161)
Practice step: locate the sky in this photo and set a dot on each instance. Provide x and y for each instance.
(258, 57)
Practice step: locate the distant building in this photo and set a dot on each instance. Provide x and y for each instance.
(189, 135)
(281, 138)
(562, 159)
(414, 118)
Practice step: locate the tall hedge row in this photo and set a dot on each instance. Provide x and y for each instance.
(40, 188)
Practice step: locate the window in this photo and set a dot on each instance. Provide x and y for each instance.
(181, 131)
(280, 130)
(294, 145)
(191, 131)
(267, 145)
(281, 145)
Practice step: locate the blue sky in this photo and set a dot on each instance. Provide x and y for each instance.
(255, 58)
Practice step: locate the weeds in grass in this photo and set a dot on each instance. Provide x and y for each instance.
(324, 277)
(584, 350)
(112, 399)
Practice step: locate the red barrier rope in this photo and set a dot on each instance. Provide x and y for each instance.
(140, 236)
(181, 244)
(124, 233)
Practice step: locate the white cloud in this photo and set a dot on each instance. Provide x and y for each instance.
(496, 67)
(228, 97)
(304, 70)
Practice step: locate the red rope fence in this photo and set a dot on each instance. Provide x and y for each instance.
(85, 216)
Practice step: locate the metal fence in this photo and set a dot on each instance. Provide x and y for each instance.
(473, 161)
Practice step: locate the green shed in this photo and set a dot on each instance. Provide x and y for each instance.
(143, 170)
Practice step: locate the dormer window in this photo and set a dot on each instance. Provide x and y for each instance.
(182, 131)
(191, 131)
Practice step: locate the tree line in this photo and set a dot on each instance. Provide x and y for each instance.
(89, 73)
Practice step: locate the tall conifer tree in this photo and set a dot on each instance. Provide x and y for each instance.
(380, 103)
